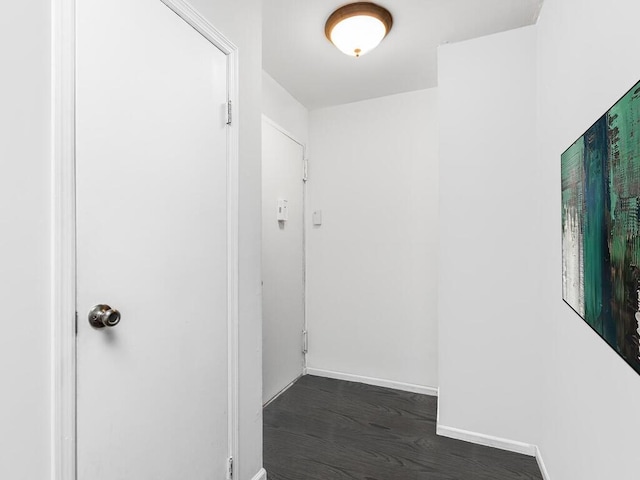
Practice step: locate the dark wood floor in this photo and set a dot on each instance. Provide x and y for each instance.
(323, 429)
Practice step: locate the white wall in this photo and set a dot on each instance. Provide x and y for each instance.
(25, 156)
(489, 309)
(522, 365)
(282, 108)
(587, 60)
(283, 360)
(24, 243)
(371, 266)
(241, 22)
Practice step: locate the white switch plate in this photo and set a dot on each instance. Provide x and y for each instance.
(283, 210)
(317, 217)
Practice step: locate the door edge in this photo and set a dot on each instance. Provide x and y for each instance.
(63, 254)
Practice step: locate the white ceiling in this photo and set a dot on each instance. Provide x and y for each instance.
(297, 54)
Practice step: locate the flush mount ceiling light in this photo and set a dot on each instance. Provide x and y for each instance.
(358, 27)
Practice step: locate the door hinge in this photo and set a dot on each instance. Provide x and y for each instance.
(305, 341)
(230, 468)
(76, 323)
(229, 112)
(305, 170)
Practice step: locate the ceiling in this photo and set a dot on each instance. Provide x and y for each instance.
(298, 56)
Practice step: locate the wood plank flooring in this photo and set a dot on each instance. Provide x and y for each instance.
(324, 429)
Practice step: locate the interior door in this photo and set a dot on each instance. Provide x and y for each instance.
(282, 261)
(151, 141)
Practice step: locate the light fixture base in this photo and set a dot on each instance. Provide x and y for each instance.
(369, 17)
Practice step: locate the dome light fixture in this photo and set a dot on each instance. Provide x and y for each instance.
(358, 28)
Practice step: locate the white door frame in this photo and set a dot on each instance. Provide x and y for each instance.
(63, 230)
(305, 179)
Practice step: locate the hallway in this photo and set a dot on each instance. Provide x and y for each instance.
(324, 429)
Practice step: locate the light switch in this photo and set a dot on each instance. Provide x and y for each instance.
(283, 210)
(317, 217)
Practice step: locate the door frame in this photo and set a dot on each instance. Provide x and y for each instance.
(305, 179)
(63, 230)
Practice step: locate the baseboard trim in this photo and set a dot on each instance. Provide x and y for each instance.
(487, 440)
(541, 465)
(378, 382)
(261, 475)
(275, 397)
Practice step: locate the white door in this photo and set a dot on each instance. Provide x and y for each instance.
(152, 391)
(282, 261)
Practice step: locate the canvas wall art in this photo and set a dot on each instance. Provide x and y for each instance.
(600, 230)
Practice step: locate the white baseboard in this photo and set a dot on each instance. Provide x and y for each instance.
(487, 440)
(541, 465)
(272, 399)
(378, 382)
(261, 475)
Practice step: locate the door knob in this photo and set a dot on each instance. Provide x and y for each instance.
(101, 316)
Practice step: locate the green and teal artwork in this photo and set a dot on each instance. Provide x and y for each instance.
(600, 230)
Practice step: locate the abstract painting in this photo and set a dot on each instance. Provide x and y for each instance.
(600, 230)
